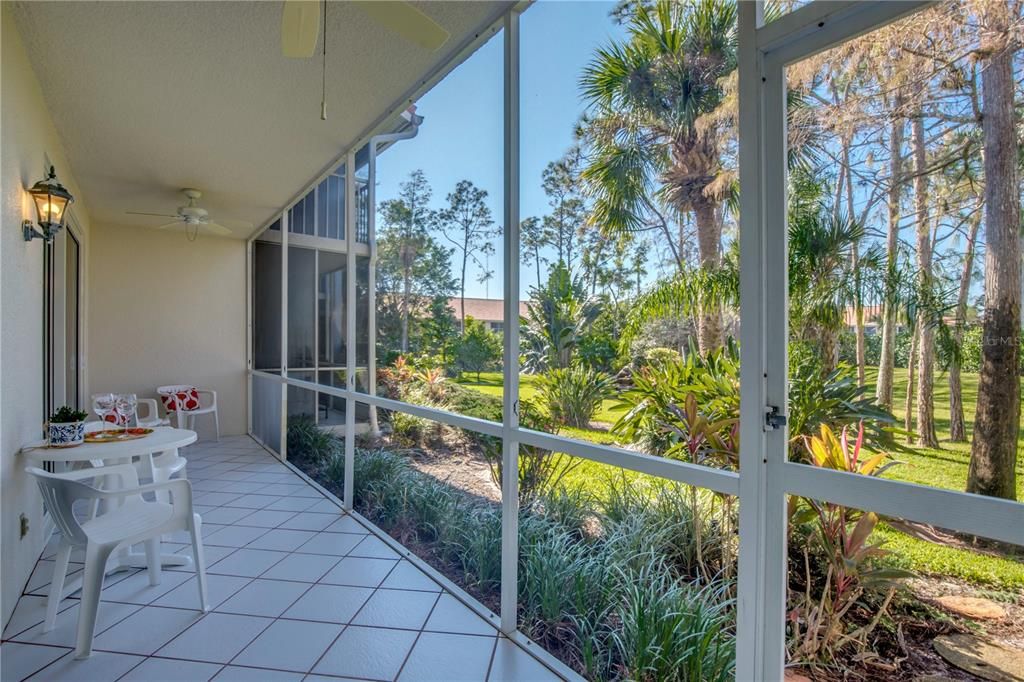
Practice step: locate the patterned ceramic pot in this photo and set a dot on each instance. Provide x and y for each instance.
(67, 434)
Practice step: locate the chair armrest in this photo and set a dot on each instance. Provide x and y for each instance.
(152, 410)
(180, 488)
(123, 471)
(212, 394)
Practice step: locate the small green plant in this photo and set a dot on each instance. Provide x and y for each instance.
(478, 349)
(573, 394)
(843, 565)
(67, 415)
(308, 441)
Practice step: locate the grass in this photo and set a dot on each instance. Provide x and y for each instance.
(945, 467)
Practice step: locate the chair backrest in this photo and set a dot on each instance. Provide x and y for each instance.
(179, 397)
(59, 495)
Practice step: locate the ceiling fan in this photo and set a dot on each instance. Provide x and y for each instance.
(300, 28)
(191, 216)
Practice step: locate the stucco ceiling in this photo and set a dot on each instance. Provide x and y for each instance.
(150, 97)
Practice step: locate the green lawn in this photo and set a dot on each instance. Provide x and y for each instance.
(945, 467)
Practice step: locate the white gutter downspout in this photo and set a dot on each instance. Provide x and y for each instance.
(371, 223)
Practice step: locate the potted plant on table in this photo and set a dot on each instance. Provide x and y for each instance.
(66, 428)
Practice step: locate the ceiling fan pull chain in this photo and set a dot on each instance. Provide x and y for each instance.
(323, 95)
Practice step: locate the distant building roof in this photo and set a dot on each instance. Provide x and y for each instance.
(483, 309)
(872, 315)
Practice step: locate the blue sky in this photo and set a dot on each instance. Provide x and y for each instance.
(461, 136)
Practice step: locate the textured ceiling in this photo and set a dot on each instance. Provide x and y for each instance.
(150, 97)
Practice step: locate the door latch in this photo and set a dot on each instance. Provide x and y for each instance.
(773, 418)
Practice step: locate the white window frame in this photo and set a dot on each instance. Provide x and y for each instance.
(767, 479)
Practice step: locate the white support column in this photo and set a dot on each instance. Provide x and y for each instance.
(510, 366)
(371, 284)
(762, 587)
(249, 251)
(283, 444)
(350, 327)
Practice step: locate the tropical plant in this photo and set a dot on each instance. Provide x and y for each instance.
(840, 537)
(650, 126)
(841, 454)
(558, 316)
(573, 394)
(654, 405)
(541, 471)
(835, 400)
(685, 294)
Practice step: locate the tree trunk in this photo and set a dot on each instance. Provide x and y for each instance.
(858, 303)
(462, 290)
(406, 285)
(828, 346)
(883, 389)
(536, 260)
(908, 405)
(925, 330)
(407, 254)
(957, 427)
(709, 241)
(994, 446)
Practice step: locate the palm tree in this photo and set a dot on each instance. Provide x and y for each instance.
(557, 316)
(652, 139)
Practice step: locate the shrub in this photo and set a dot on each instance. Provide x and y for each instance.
(573, 394)
(655, 403)
(660, 355)
(834, 400)
(971, 350)
(308, 441)
(840, 540)
(674, 630)
(592, 587)
(463, 400)
(478, 349)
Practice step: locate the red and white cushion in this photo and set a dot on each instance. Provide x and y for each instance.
(171, 396)
(115, 417)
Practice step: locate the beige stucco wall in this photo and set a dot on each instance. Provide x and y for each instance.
(27, 139)
(163, 310)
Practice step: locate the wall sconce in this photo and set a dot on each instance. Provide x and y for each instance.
(51, 200)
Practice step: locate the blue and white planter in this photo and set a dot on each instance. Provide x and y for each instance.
(66, 434)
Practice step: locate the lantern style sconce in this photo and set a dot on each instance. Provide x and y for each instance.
(51, 200)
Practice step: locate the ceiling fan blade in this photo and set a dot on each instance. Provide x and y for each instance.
(300, 28)
(408, 21)
(176, 223)
(155, 215)
(239, 224)
(216, 229)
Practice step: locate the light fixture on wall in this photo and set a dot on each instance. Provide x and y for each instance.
(51, 200)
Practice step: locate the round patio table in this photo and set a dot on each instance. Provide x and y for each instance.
(162, 439)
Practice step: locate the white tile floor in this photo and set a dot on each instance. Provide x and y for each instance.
(298, 590)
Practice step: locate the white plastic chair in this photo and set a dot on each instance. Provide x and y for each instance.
(165, 464)
(186, 419)
(152, 417)
(129, 520)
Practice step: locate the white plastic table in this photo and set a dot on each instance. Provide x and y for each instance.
(162, 439)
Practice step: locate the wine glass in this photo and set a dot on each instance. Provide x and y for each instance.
(126, 404)
(104, 405)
